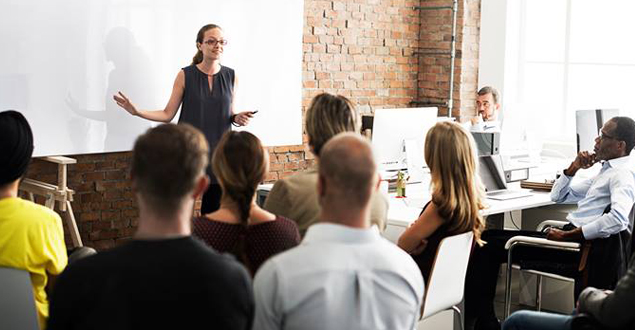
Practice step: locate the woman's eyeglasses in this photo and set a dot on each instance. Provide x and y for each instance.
(213, 42)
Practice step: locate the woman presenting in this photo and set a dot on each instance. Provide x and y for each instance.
(206, 90)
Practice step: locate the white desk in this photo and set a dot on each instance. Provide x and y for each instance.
(401, 214)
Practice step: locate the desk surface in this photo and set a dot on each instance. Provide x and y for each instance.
(403, 211)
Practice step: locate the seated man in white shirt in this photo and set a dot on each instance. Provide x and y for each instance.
(343, 275)
(604, 204)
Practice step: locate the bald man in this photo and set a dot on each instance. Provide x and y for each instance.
(343, 275)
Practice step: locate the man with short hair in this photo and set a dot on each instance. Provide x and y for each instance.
(31, 235)
(604, 204)
(488, 103)
(488, 110)
(343, 275)
(163, 278)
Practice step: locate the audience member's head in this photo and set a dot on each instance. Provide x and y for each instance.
(16, 147)
(616, 138)
(488, 103)
(168, 167)
(240, 163)
(347, 175)
(327, 116)
(457, 191)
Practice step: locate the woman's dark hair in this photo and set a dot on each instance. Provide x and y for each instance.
(198, 57)
(240, 164)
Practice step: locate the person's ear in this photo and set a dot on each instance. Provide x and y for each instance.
(621, 147)
(497, 106)
(321, 186)
(201, 186)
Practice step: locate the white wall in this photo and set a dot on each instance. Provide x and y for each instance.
(61, 61)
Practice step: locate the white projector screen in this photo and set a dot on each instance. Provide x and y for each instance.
(61, 62)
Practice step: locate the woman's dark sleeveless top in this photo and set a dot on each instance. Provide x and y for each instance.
(425, 259)
(205, 109)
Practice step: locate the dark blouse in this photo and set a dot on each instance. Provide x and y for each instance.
(208, 110)
(425, 259)
(262, 241)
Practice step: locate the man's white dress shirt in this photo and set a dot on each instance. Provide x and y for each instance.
(614, 185)
(339, 278)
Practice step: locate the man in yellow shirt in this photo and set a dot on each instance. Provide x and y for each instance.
(31, 235)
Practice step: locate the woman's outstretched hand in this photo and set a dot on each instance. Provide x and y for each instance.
(125, 103)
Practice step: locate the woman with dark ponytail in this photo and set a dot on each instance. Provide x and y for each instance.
(205, 91)
(240, 226)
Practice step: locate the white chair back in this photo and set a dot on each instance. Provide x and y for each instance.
(17, 305)
(447, 279)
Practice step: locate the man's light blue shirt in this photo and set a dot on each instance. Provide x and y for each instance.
(339, 278)
(614, 185)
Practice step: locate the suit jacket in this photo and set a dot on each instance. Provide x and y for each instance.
(612, 309)
(295, 198)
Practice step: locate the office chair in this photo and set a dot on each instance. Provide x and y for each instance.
(17, 304)
(535, 242)
(447, 278)
(554, 245)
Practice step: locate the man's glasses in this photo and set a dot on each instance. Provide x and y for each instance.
(213, 42)
(604, 136)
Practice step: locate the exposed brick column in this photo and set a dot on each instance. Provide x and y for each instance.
(435, 33)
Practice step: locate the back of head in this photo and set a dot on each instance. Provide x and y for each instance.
(167, 162)
(348, 167)
(625, 131)
(327, 116)
(16, 146)
(240, 164)
(457, 191)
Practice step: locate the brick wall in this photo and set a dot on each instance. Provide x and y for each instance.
(436, 38)
(363, 49)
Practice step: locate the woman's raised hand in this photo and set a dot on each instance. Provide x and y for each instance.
(125, 103)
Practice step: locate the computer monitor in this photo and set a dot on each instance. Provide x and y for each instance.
(587, 125)
(393, 129)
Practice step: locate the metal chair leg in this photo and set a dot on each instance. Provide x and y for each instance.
(458, 311)
(508, 283)
(539, 292)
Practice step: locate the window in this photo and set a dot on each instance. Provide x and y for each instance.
(567, 55)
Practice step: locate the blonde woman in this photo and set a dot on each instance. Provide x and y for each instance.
(457, 195)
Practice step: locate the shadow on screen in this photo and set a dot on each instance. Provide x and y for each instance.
(132, 74)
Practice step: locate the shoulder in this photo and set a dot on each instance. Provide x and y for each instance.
(292, 189)
(217, 263)
(300, 182)
(227, 70)
(622, 176)
(36, 214)
(286, 226)
(400, 262)
(188, 69)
